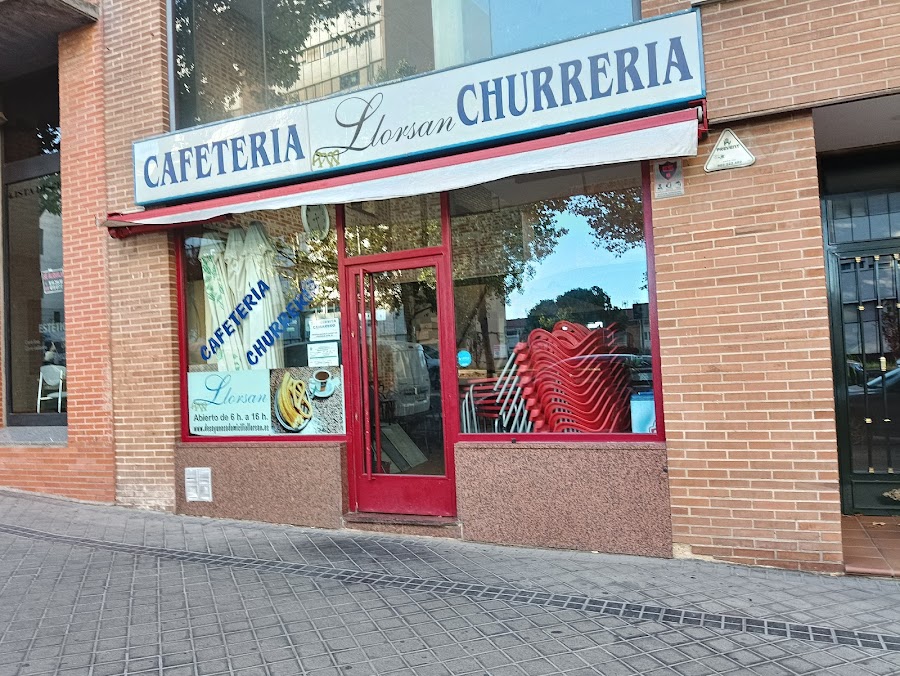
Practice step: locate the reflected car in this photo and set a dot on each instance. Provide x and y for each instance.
(433, 362)
(879, 400)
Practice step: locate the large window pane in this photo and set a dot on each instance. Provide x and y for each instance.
(235, 57)
(263, 325)
(552, 304)
(387, 226)
(37, 329)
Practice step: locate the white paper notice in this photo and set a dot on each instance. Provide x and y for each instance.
(324, 328)
(322, 354)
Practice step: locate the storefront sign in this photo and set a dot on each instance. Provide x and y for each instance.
(629, 71)
(266, 402)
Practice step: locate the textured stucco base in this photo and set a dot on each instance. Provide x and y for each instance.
(303, 484)
(605, 497)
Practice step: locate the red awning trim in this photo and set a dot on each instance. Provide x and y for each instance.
(657, 137)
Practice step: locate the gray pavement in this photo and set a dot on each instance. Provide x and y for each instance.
(94, 590)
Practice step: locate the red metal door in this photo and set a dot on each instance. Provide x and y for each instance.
(401, 461)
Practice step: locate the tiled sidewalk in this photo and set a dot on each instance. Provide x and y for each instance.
(91, 590)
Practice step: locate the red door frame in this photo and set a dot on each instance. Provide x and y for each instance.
(399, 493)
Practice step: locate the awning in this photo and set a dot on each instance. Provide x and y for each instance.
(665, 136)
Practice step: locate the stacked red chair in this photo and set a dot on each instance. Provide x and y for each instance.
(570, 379)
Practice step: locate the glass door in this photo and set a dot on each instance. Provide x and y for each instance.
(401, 461)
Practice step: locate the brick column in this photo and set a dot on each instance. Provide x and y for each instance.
(746, 358)
(142, 273)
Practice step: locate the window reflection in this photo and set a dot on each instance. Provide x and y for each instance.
(235, 57)
(392, 225)
(31, 108)
(37, 328)
(552, 305)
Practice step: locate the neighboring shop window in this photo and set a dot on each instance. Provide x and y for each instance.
(235, 57)
(552, 305)
(263, 325)
(37, 328)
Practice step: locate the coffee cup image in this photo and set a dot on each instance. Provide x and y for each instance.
(322, 377)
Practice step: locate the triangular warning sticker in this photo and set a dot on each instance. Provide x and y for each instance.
(729, 153)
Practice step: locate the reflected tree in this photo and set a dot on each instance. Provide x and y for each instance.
(231, 52)
(616, 218)
(581, 306)
(521, 238)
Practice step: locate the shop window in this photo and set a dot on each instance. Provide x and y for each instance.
(262, 325)
(234, 57)
(36, 315)
(389, 226)
(552, 304)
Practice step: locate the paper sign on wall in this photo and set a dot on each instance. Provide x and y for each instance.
(668, 179)
(728, 153)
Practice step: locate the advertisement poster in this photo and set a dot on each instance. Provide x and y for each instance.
(229, 403)
(263, 402)
(307, 401)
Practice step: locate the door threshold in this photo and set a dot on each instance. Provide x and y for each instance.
(400, 519)
(405, 524)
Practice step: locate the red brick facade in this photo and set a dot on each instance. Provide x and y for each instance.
(740, 281)
(85, 467)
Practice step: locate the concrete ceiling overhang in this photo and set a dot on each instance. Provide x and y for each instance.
(29, 31)
(858, 124)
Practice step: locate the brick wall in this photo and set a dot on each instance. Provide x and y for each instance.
(83, 468)
(769, 55)
(746, 359)
(141, 269)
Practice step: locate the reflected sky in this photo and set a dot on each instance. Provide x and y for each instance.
(578, 261)
(522, 24)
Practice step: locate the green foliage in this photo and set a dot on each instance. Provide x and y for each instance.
(581, 306)
(222, 30)
(50, 194)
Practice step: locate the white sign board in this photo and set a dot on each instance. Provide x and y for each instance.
(668, 179)
(322, 354)
(324, 328)
(728, 153)
(229, 403)
(636, 69)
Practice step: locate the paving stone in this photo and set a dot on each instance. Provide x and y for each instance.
(150, 592)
